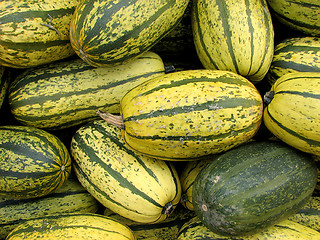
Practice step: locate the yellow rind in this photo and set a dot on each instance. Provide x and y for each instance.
(113, 32)
(37, 38)
(70, 97)
(132, 185)
(72, 199)
(294, 118)
(72, 226)
(165, 117)
(234, 36)
(284, 230)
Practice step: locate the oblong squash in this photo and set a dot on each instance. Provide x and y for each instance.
(293, 110)
(252, 187)
(35, 32)
(300, 15)
(285, 230)
(33, 162)
(71, 197)
(134, 186)
(189, 114)
(72, 226)
(237, 36)
(67, 93)
(298, 54)
(105, 33)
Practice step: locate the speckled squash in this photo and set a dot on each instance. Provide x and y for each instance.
(135, 186)
(189, 114)
(292, 110)
(300, 15)
(284, 230)
(35, 32)
(33, 162)
(237, 36)
(252, 187)
(105, 33)
(298, 54)
(81, 226)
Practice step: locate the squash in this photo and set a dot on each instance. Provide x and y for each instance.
(236, 36)
(292, 111)
(105, 33)
(252, 187)
(72, 226)
(187, 115)
(132, 185)
(33, 162)
(33, 33)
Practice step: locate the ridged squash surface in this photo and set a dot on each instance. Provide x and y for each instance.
(71, 197)
(292, 110)
(72, 226)
(300, 15)
(105, 33)
(134, 186)
(68, 93)
(35, 32)
(298, 54)
(252, 187)
(189, 114)
(33, 162)
(285, 230)
(237, 36)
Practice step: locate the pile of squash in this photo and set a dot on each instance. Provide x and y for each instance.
(159, 119)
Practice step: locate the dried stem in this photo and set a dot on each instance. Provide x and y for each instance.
(115, 120)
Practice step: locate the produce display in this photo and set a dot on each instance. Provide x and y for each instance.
(159, 120)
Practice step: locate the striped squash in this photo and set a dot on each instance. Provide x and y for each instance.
(34, 33)
(166, 230)
(134, 186)
(71, 197)
(300, 15)
(292, 113)
(33, 162)
(309, 215)
(67, 93)
(285, 230)
(299, 54)
(186, 115)
(105, 33)
(234, 36)
(252, 187)
(187, 177)
(81, 226)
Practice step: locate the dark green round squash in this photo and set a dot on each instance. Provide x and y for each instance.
(252, 187)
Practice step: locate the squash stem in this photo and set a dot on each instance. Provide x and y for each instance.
(167, 209)
(115, 120)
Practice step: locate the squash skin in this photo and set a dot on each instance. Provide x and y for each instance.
(190, 114)
(253, 187)
(105, 33)
(34, 162)
(292, 110)
(72, 226)
(284, 230)
(71, 197)
(300, 15)
(132, 185)
(68, 93)
(234, 36)
(296, 54)
(33, 33)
